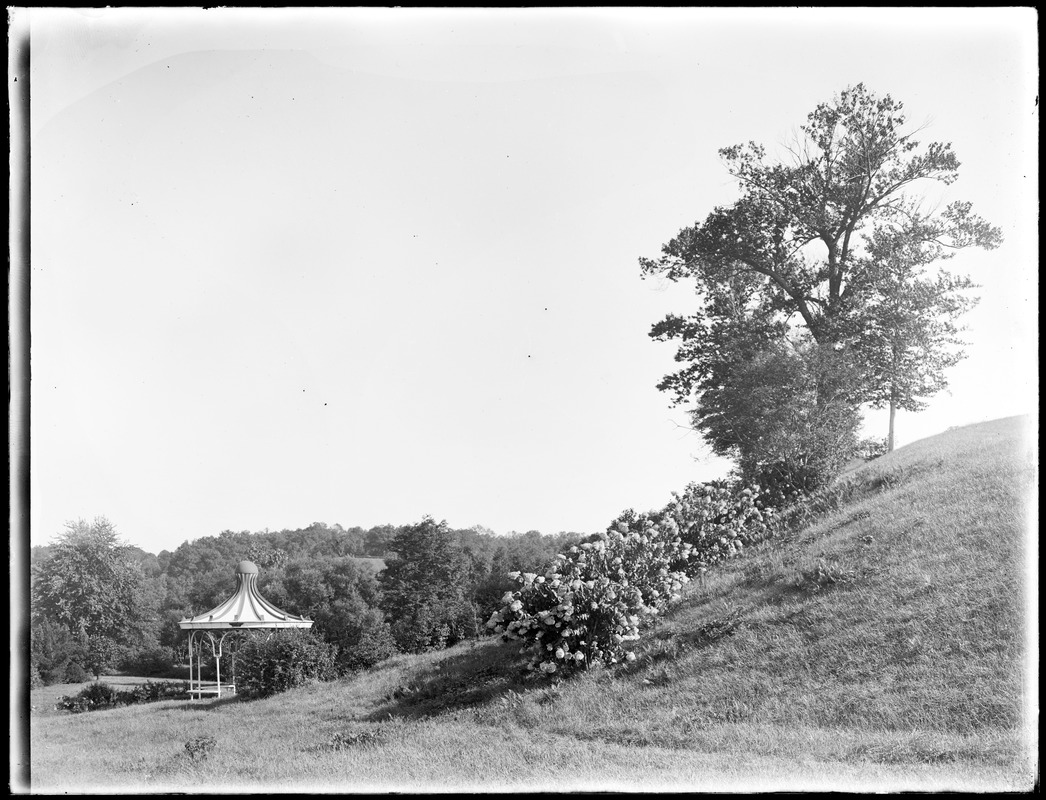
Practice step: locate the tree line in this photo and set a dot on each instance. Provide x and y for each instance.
(99, 604)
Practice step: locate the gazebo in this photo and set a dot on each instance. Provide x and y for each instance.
(245, 610)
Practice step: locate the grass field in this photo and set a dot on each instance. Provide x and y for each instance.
(886, 645)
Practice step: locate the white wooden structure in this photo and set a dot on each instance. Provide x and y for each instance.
(246, 610)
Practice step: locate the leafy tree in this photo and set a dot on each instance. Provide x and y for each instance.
(787, 416)
(803, 247)
(51, 649)
(909, 332)
(361, 634)
(424, 588)
(92, 586)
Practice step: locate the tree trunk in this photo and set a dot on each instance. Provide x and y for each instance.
(889, 438)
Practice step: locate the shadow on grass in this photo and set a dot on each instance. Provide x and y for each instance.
(211, 704)
(454, 683)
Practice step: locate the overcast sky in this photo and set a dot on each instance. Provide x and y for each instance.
(360, 266)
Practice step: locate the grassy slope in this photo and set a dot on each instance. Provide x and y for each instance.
(881, 647)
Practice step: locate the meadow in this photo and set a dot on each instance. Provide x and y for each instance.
(883, 643)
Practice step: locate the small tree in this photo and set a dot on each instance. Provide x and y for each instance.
(907, 328)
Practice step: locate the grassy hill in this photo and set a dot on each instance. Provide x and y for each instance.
(883, 645)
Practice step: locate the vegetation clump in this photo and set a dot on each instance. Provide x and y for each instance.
(285, 660)
(99, 695)
(590, 605)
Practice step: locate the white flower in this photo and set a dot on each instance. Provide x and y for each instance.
(630, 656)
(559, 652)
(579, 656)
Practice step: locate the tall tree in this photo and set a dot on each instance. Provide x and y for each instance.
(93, 586)
(793, 251)
(424, 589)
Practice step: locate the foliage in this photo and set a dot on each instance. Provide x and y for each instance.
(594, 600)
(313, 571)
(98, 696)
(150, 662)
(93, 697)
(35, 681)
(52, 649)
(716, 520)
(360, 633)
(93, 586)
(871, 448)
(830, 242)
(74, 673)
(424, 588)
(787, 415)
(284, 660)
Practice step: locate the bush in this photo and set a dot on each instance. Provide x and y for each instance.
(590, 603)
(871, 449)
(287, 659)
(97, 696)
(716, 519)
(155, 661)
(596, 597)
(74, 673)
(93, 697)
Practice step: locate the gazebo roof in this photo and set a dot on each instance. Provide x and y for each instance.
(245, 609)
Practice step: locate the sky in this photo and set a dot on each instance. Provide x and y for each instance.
(360, 266)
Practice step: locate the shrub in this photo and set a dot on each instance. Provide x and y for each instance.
(591, 602)
(596, 596)
(97, 696)
(870, 449)
(716, 520)
(152, 662)
(287, 659)
(93, 697)
(150, 691)
(74, 673)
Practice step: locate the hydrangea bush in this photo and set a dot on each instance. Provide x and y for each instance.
(590, 605)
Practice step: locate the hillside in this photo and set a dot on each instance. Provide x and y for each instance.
(882, 646)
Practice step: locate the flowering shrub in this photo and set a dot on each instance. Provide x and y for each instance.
(716, 520)
(591, 603)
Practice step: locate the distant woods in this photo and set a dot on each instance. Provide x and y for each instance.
(101, 605)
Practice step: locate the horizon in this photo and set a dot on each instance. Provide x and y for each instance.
(366, 265)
